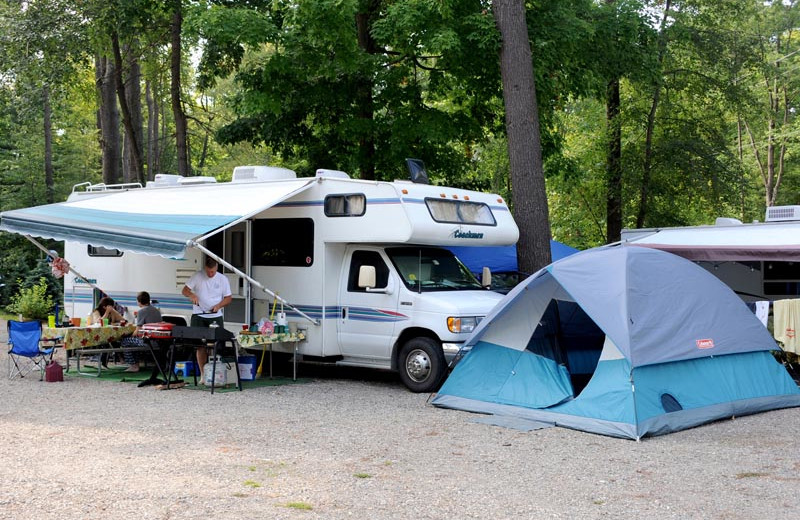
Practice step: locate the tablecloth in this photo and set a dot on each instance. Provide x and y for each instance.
(256, 340)
(83, 337)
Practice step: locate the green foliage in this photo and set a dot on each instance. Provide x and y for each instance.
(32, 302)
(411, 87)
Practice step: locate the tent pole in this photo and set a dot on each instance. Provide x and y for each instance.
(192, 243)
(73, 271)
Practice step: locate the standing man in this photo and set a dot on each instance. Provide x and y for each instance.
(209, 292)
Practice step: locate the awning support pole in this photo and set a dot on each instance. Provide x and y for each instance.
(192, 243)
(73, 271)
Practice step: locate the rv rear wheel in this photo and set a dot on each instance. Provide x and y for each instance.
(421, 364)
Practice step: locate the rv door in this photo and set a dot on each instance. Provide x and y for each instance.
(368, 299)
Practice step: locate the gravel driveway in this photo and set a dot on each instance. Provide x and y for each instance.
(357, 444)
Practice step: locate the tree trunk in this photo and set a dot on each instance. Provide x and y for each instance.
(613, 161)
(524, 142)
(651, 123)
(613, 164)
(133, 95)
(175, 92)
(48, 146)
(363, 94)
(127, 119)
(152, 132)
(108, 119)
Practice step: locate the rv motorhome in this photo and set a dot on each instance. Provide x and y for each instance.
(357, 264)
(759, 261)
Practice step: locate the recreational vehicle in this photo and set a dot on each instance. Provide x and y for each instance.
(357, 264)
(759, 260)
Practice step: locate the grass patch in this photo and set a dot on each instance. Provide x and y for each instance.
(299, 505)
(362, 475)
(252, 484)
(750, 474)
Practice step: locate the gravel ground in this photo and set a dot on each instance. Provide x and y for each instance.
(356, 444)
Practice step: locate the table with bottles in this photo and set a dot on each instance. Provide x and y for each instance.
(253, 340)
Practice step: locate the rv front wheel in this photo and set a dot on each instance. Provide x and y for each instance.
(422, 365)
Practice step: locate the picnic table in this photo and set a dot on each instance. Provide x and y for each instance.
(91, 340)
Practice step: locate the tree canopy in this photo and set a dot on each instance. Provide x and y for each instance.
(704, 125)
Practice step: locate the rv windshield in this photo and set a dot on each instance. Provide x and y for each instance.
(431, 269)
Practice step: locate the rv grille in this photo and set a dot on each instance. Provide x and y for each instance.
(783, 213)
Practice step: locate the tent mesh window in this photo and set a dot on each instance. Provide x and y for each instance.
(670, 404)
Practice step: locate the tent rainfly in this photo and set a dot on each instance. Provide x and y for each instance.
(663, 344)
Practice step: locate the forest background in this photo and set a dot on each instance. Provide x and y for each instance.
(649, 113)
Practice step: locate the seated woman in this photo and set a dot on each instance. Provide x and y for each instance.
(105, 310)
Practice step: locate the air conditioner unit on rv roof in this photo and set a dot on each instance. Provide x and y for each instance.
(779, 213)
(261, 173)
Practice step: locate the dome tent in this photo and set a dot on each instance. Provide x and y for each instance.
(667, 344)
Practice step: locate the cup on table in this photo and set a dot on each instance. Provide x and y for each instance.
(105, 322)
(245, 328)
(51, 321)
(76, 322)
(293, 328)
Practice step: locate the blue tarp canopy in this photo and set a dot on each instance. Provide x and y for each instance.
(156, 221)
(502, 259)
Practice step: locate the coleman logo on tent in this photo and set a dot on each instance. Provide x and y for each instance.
(704, 343)
(790, 333)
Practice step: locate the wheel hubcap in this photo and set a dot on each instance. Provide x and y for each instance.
(418, 365)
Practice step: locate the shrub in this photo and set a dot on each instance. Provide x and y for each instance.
(32, 302)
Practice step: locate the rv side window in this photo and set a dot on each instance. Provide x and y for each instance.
(460, 212)
(102, 251)
(367, 258)
(283, 242)
(352, 205)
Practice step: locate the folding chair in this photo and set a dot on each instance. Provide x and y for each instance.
(25, 340)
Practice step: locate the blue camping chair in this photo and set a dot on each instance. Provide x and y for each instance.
(26, 352)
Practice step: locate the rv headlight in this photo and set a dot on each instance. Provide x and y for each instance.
(457, 324)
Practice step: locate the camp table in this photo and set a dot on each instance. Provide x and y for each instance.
(254, 340)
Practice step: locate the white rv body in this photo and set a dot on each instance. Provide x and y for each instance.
(306, 249)
(759, 261)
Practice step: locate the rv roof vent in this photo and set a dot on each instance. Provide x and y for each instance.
(726, 221)
(184, 181)
(261, 173)
(778, 213)
(334, 174)
(165, 179)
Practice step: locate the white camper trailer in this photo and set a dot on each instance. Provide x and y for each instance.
(759, 261)
(355, 263)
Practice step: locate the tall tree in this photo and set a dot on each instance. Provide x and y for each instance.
(108, 119)
(524, 142)
(776, 86)
(613, 158)
(647, 162)
(133, 132)
(176, 53)
(357, 85)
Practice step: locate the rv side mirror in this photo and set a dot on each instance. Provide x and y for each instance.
(486, 277)
(366, 280)
(366, 277)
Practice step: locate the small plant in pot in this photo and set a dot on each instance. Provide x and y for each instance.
(32, 303)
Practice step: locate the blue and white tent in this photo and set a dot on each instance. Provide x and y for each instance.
(663, 344)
